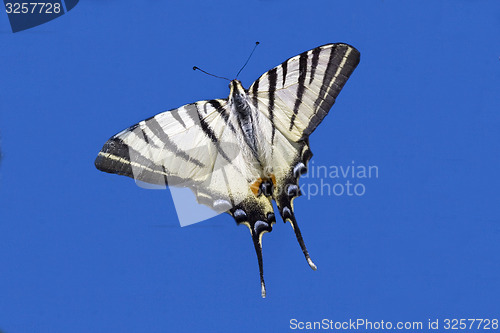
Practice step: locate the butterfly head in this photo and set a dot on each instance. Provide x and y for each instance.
(236, 87)
(236, 90)
(238, 95)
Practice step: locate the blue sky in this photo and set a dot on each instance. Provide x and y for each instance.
(84, 251)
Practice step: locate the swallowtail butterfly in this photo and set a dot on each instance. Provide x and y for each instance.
(240, 153)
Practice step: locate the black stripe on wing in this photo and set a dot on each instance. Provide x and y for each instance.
(177, 116)
(334, 80)
(209, 132)
(147, 138)
(223, 112)
(284, 70)
(314, 62)
(255, 91)
(301, 86)
(273, 77)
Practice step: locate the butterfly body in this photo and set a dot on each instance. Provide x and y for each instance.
(248, 120)
(239, 154)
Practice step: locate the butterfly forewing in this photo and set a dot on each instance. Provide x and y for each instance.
(192, 146)
(298, 94)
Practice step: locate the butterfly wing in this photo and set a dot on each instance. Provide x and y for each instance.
(194, 146)
(300, 92)
(295, 96)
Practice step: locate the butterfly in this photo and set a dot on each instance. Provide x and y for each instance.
(239, 154)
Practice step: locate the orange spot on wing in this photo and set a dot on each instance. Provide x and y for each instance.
(255, 186)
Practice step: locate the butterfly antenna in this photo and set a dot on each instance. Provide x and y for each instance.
(256, 43)
(201, 70)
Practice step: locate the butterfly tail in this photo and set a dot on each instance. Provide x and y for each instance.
(259, 218)
(258, 250)
(287, 189)
(288, 215)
